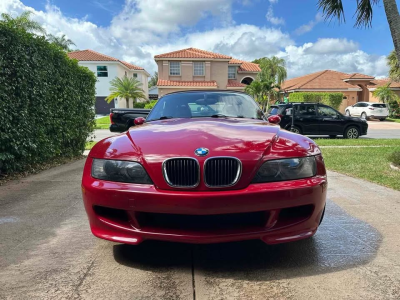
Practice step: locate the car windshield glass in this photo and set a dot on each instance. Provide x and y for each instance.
(380, 105)
(206, 104)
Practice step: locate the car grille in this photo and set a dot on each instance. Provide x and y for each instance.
(222, 171)
(181, 172)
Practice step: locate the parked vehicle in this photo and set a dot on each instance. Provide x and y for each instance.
(205, 167)
(366, 110)
(123, 118)
(318, 119)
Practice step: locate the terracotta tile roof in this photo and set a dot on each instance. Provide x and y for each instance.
(245, 66)
(358, 76)
(234, 83)
(327, 79)
(162, 82)
(381, 82)
(192, 53)
(90, 55)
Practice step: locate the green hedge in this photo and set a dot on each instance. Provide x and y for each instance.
(331, 99)
(139, 104)
(151, 104)
(46, 101)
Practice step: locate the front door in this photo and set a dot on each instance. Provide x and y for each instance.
(332, 122)
(307, 119)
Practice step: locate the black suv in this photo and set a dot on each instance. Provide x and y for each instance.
(318, 119)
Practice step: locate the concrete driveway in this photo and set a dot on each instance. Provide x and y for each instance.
(48, 252)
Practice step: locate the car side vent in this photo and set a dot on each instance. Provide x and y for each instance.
(182, 172)
(222, 171)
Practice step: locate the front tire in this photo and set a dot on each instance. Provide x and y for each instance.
(352, 132)
(295, 129)
(364, 116)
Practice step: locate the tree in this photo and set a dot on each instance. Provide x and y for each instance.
(63, 42)
(262, 91)
(255, 90)
(126, 88)
(384, 93)
(272, 68)
(334, 9)
(23, 21)
(153, 80)
(394, 67)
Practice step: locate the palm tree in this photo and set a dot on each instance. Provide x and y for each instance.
(23, 21)
(394, 67)
(127, 88)
(153, 80)
(385, 94)
(63, 42)
(334, 9)
(255, 89)
(272, 68)
(269, 89)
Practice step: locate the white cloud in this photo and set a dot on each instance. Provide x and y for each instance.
(271, 18)
(138, 43)
(309, 26)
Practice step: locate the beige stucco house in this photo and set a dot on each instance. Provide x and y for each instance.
(192, 68)
(355, 87)
(106, 68)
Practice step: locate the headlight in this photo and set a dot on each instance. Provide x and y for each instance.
(286, 169)
(119, 170)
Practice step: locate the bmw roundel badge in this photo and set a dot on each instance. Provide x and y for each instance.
(201, 151)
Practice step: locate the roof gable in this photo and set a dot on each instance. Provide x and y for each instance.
(90, 55)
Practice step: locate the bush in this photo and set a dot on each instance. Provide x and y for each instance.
(331, 99)
(46, 101)
(139, 104)
(394, 109)
(151, 104)
(395, 158)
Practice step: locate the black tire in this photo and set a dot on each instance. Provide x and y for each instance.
(364, 116)
(348, 113)
(382, 119)
(295, 129)
(352, 132)
(332, 136)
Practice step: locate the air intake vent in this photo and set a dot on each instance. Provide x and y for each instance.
(182, 172)
(222, 171)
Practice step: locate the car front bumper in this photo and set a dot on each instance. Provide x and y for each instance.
(290, 210)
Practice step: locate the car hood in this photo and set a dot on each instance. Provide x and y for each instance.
(252, 141)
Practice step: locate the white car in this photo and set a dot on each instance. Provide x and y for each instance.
(366, 110)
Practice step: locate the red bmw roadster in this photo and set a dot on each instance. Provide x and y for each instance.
(205, 167)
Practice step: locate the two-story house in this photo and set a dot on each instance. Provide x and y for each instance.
(198, 69)
(106, 69)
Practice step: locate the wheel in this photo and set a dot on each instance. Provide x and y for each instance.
(295, 129)
(352, 132)
(348, 113)
(382, 119)
(322, 216)
(332, 136)
(364, 116)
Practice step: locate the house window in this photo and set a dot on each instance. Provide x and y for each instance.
(174, 68)
(102, 71)
(231, 72)
(134, 75)
(198, 68)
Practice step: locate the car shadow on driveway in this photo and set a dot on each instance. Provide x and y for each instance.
(342, 242)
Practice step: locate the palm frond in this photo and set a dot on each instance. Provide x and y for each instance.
(332, 9)
(364, 13)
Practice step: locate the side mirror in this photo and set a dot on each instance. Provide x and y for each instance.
(139, 121)
(274, 119)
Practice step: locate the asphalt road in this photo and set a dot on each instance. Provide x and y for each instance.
(48, 252)
(376, 130)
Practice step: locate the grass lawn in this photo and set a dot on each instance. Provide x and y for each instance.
(103, 123)
(357, 142)
(371, 164)
(89, 145)
(393, 120)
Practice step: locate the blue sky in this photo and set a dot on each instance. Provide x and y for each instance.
(136, 30)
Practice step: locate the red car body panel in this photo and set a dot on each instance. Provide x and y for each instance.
(251, 141)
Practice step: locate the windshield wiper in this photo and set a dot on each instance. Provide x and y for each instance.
(165, 117)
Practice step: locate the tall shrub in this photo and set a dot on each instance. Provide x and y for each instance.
(331, 99)
(46, 101)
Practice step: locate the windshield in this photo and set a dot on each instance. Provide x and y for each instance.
(205, 104)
